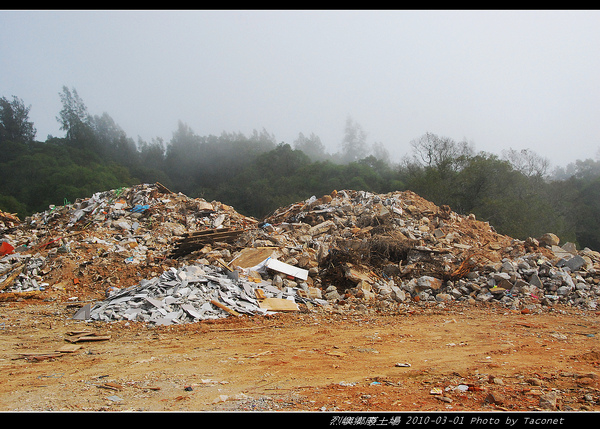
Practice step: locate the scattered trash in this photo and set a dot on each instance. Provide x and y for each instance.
(110, 386)
(6, 248)
(192, 293)
(114, 398)
(290, 270)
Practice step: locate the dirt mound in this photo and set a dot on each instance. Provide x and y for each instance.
(396, 247)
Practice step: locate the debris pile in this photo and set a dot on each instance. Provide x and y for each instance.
(192, 293)
(111, 240)
(400, 248)
(147, 254)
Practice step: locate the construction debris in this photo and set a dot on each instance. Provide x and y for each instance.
(147, 254)
(192, 293)
(197, 240)
(8, 221)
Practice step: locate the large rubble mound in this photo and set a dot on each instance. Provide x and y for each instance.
(151, 255)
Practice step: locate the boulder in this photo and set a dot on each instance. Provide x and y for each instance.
(549, 239)
(428, 282)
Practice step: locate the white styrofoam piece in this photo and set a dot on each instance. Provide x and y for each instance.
(288, 269)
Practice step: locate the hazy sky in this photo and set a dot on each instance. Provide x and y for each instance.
(499, 79)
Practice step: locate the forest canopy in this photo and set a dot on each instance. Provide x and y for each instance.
(514, 191)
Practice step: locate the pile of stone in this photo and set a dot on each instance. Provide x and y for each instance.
(350, 250)
(400, 248)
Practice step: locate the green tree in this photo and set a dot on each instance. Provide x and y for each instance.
(112, 142)
(10, 204)
(585, 211)
(527, 162)
(182, 158)
(380, 152)
(354, 143)
(75, 120)
(441, 153)
(311, 146)
(14, 122)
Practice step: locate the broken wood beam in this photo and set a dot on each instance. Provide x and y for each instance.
(224, 307)
(163, 188)
(196, 240)
(11, 278)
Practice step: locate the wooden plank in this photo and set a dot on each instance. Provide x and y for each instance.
(223, 264)
(224, 307)
(88, 338)
(13, 296)
(196, 240)
(278, 304)
(206, 232)
(11, 278)
(111, 386)
(207, 239)
(252, 256)
(52, 353)
(41, 355)
(79, 333)
(163, 188)
(260, 294)
(68, 348)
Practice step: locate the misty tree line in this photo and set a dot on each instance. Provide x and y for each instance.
(255, 174)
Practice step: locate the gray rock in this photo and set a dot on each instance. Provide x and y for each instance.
(563, 290)
(331, 293)
(444, 297)
(500, 276)
(456, 293)
(428, 282)
(575, 263)
(398, 294)
(508, 267)
(535, 280)
(569, 247)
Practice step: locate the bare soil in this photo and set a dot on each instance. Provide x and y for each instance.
(319, 360)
